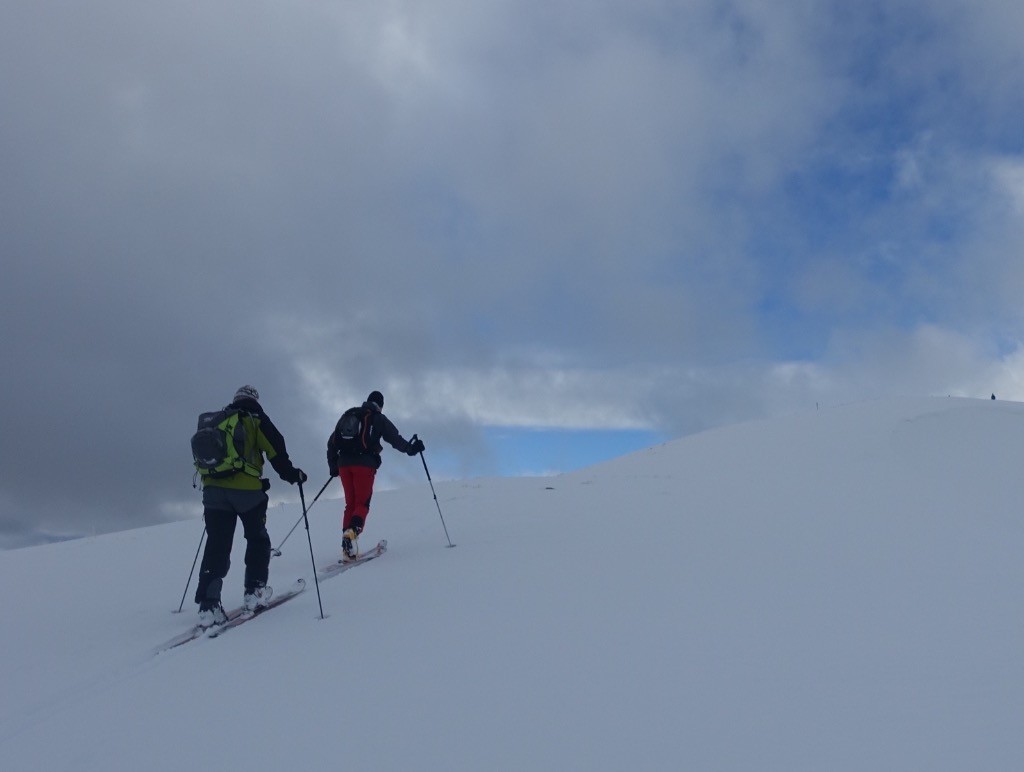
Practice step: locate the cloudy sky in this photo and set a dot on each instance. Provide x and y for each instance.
(548, 230)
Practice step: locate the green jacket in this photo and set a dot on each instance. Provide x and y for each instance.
(262, 440)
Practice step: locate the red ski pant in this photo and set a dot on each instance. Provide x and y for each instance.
(358, 484)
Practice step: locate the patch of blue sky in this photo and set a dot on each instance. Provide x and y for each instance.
(525, 452)
(834, 215)
(830, 196)
(792, 334)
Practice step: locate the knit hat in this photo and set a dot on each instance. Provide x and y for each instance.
(376, 398)
(247, 392)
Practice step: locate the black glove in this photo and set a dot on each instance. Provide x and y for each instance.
(416, 446)
(334, 471)
(332, 462)
(295, 475)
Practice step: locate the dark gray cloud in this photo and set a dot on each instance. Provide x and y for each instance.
(499, 213)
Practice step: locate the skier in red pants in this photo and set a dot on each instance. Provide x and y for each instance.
(353, 454)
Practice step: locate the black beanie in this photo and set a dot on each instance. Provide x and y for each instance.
(377, 398)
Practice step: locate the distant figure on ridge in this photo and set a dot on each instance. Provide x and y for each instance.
(230, 464)
(353, 454)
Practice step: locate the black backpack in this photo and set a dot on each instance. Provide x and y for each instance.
(218, 446)
(352, 434)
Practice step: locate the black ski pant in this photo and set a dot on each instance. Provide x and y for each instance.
(222, 508)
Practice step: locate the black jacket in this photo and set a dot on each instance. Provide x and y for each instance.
(278, 454)
(380, 428)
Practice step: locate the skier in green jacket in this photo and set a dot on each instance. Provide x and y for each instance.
(242, 496)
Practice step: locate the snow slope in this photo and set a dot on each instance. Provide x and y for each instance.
(835, 590)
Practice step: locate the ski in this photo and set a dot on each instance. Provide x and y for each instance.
(239, 615)
(276, 600)
(235, 617)
(196, 631)
(342, 565)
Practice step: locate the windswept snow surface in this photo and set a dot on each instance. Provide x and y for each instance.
(835, 590)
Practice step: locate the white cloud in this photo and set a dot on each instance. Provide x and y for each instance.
(524, 397)
(1009, 175)
(617, 214)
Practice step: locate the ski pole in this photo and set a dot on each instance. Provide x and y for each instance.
(302, 497)
(424, 460)
(277, 552)
(182, 604)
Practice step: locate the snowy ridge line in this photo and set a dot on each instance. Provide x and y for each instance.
(840, 589)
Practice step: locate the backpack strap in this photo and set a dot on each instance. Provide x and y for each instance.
(247, 465)
(367, 434)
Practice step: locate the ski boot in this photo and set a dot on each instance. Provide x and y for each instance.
(211, 613)
(255, 597)
(350, 544)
